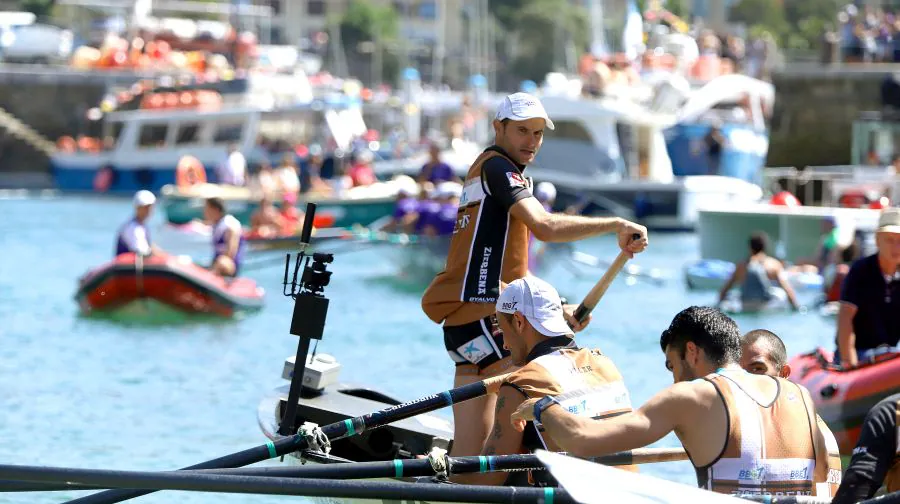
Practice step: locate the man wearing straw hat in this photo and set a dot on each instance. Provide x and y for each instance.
(539, 339)
(745, 434)
(497, 213)
(869, 316)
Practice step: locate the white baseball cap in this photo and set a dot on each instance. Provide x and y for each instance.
(144, 198)
(539, 302)
(522, 106)
(889, 221)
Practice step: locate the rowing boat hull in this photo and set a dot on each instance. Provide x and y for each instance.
(334, 405)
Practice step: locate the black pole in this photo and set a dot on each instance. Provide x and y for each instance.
(290, 444)
(315, 308)
(389, 490)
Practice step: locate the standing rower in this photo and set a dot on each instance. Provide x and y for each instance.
(490, 244)
(745, 434)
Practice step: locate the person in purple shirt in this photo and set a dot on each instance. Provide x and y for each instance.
(405, 212)
(435, 170)
(427, 210)
(443, 221)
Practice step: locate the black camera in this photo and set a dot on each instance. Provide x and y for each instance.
(316, 275)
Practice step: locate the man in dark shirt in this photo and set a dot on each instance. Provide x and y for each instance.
(869, 315)
(875, 458)
(435, 170)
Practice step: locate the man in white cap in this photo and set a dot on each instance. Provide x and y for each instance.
(539, 339)
(497, 213)
(869, 315)
(133, 235)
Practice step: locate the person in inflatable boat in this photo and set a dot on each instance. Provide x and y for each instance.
(869, 315)
(133, 236)
(227, 238)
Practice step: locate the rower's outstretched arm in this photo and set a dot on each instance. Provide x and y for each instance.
(553, 227)
(584, 437)
(735, 277)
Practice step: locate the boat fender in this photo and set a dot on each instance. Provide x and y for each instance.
(103, 179)
(189, 172)
(316, 439)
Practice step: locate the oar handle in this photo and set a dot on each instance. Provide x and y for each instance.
(492, 385)
(593, 297)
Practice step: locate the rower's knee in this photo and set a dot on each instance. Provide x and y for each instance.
(224, 266)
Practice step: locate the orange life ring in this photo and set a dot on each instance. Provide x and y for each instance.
(189, 172)
(103, 179)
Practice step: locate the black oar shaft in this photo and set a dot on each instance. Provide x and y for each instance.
(387, 490)
(337, 430)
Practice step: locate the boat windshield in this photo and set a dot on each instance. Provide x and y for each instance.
(569, 149)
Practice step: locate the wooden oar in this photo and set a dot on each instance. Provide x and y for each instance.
(590, 301)
(337, 430)
(226, 483)
(405, 468)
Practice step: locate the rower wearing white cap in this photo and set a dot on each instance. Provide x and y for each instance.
(545, 192)
(530, 315)
(133, 236)
(443, 221)
(497, 213)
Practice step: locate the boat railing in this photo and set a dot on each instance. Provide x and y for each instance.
(823, 185)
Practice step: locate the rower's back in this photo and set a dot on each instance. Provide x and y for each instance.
(770, 439)
(583, 381)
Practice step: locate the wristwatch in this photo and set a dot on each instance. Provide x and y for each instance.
(540, 406)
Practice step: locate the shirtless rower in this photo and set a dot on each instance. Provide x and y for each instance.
(530, 315)
(497, 212)
(266, 221)
(745, 434)
(764, 353)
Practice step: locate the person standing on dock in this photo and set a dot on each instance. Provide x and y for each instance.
(497, 212)
(869, 315)
(764, 353)
(876, 458)
(227, 239)
(530, 316)
(133, 236)
(745, 434)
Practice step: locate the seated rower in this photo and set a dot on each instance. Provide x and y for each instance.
(762, 278)
(227, 239)
(266, 221)
(428, 208)
(133, 235)
(539, 339)
(744, 433)
(764, 353)
(876, 458)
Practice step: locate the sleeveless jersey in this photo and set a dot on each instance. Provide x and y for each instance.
(218, 237)
(487, 246)
(122, 245)
(583, 381)
(770, 449)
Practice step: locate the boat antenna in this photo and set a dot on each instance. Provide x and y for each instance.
(310, 309)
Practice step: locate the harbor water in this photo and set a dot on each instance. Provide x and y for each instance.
(99, 393)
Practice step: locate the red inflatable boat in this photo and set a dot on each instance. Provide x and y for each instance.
(843, 397)
(168, 280)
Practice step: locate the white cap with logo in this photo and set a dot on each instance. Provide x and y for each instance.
(889, 221)
(521, 107)
(539, 302)
(144, 198)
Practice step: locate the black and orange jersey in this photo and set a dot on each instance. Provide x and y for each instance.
(488, 244)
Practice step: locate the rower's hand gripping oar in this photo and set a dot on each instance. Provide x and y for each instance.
(334, 431)
(593, 297)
